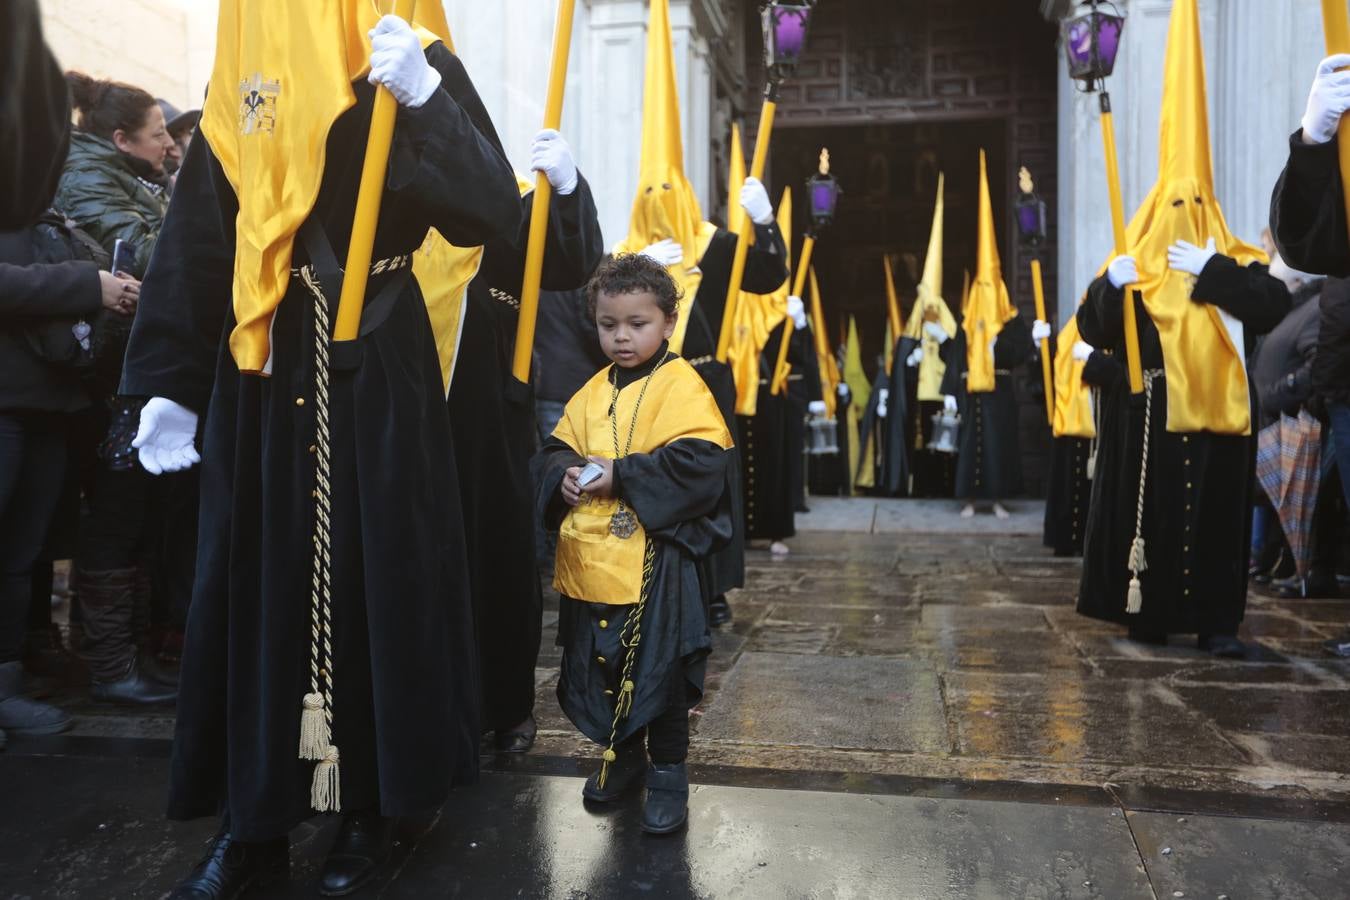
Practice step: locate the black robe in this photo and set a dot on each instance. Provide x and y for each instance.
(890, 461)
(406, 694)
(1197, 506)
(803, 389)
(1307, 210)
(679, 494)
(1066, 502)
(492, 417)
(989, 462)
(765, 272)
(767, 443)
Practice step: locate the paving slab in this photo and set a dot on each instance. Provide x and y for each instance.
(827, 701)
(1202, 856)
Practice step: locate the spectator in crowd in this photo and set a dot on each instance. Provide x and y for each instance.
(1331, 384)
(113, 187)
(56, 294)
(34, 116)
(181, 127)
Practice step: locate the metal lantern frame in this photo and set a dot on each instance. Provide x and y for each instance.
(1092, 43)
(785, 26)
(1032, 219)
(823, 193)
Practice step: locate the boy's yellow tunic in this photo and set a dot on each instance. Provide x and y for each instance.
(672, 478)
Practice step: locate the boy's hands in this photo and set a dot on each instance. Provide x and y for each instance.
(571, 491)
(604, 485)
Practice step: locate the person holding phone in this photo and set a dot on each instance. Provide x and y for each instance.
(634, 480)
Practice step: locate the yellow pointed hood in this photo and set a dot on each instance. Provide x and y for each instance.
(829, 376)
(931, 307)
(894, 323)
(1206, 374)
(666, 206)
(859, 460)
(282, 75)
(988, 308)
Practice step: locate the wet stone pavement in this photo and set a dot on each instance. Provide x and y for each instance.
(906, 707)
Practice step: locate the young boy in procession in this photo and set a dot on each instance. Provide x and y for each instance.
(635, 475)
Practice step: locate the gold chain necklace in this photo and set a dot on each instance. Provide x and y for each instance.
(623, 524)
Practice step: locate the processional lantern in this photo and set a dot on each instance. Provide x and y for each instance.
(823, 190)
(1030, 210)
(785, 27)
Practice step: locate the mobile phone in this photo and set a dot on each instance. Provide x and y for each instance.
(124, 254)
(590, 474)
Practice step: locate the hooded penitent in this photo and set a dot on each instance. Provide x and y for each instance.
(1073, 399)
(666, 206)
(1206, 376)
(930, 307)
(988, 308)
(269, 135)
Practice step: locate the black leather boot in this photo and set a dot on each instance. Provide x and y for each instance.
(519, 739)
(363, 844)
(22, 715)
(719, 611)
(134, 688)
(230, 868)
(667, 806)
(1223, 646)
(629, 764)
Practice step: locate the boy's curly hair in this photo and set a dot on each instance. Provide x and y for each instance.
(633, 273)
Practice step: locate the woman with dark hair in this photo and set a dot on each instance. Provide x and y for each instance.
(113, 189)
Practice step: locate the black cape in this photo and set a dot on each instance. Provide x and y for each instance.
(765, 272)
(768, 441)
(679, 493)
(492, 417)
(891, 462)
(989, 463)
(1307, 210)
(1070, 491)
(406, 694)
(1197, 506)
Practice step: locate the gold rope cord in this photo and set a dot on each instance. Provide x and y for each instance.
(1138, 562)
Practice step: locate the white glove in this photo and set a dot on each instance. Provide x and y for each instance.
(1327, 101)
(165, 437)
(1123, 272)
(755, 202)
(796, 310)
(1082, 350)
(816, 407)
(551, 155)
(1186, 257)
(936, 332)
(398, 62)
(843, 390)
(1040, 331)
(668, 253)
(881, 403)
(949, 403)
(915, 358)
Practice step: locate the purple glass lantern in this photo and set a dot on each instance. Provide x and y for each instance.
(1030, 212)
(785, 27)
(822, 191)
(1091, 42)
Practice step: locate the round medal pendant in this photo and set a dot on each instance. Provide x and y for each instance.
(623, 524)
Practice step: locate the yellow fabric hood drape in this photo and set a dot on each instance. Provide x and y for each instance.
(930, 307)
(861, 389)
(666, 206)
(1206, 374)
(283, 74)
(988, 307)
(1073, 399)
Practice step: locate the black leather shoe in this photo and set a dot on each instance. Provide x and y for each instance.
(232, 867)
(135, 688)
(1224, 646)
(518, 740)
(719, 612)
(624, 773)
(159, 672)
(364, 842)
(1315, 587)
(1339, 646)
(667, 806)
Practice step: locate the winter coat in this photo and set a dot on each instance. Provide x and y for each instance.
(111, 196)
(1281, 372)
(1331, 365)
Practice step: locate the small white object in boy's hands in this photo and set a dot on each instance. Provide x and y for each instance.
(603, 485)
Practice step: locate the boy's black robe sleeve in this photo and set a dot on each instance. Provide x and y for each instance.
(547, 469)
(1307, 210)
(678, 493)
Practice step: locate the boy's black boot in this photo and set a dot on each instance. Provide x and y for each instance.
(667, 806)
(630, 762)
(232, 868)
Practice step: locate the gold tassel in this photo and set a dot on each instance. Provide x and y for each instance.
(1134, 600)
(325, 794)
(608, 757)
(625, 702)
(314, 735)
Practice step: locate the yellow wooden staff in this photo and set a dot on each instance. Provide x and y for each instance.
(543, 193)
(892, 310)
(781, 369)
(1038, 290)
(766, 116)
(353, 298)
(1122, 243)
(1336, 23)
